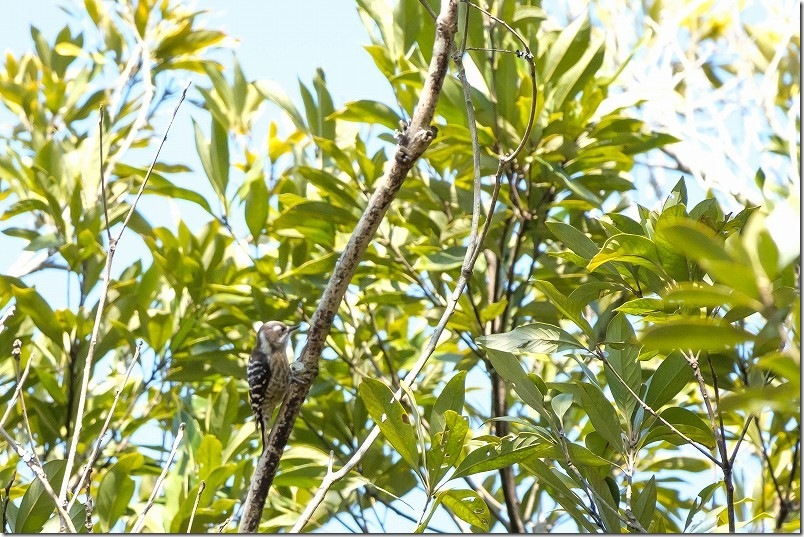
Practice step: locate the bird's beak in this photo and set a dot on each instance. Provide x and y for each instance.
(294, 327)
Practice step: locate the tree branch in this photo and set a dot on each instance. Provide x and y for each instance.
(412, 144)
(107, 274)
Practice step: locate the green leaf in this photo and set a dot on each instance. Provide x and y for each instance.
(670, 256)
(701, 244)
(117, 488)
(702, 499)
(467, 505)
(159, 185)
(687, 422)
(256, 212)
(601, 413)
(446, 447)
(552, 480)
(223, 412)
(702, 295)
(208, 455)
(624, 359)
(274, 93)
(540, 338)
(631, 249)
(642, 306)
(693, 333)
(212, 154)
(672, 375)
(508, 367)
(31, 303)
(37, 506)
(643, 504)
(450, 398)
(388, 414)
(366, 111)
(494, 456)
(574, 239)
(572, 310)
(606, 490)
(448, 259)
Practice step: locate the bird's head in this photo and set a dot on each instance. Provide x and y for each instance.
(273, 336)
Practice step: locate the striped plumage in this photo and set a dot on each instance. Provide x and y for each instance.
(268, 373)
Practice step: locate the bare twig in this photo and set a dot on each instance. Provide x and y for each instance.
(20, 383)
(528, 55)
(720, 439)
(144, 109)
(412, 144)
(158, 485)
(88, 509)
(16, 352)
(96, 450)
(8, 313)
(40, 474)
(201, 487)
(740, 439)
(647, 408)
(107, 274)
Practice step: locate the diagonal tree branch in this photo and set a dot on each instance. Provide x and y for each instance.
(412, 144)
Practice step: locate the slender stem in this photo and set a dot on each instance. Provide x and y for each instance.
(158, 485)
(17, 391)
(720, 439)
(96, 450)
(653, 413)
(107, 274)
(40, 474)
(201, 487)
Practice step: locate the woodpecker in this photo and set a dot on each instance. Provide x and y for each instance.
(268, 373)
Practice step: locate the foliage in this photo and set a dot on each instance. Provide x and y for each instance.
(637, 350)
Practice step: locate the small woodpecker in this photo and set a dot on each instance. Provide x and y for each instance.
(268, 373)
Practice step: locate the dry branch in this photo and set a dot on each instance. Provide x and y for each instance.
(412, 144)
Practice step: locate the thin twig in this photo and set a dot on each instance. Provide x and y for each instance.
(740, 439)
(16, 352)
(158, 485)
(96, 450)
(720, 440)
(17, 391)
(40, 474)
(107, 275)
(647, 408)
(201, 487)
(528, 55)
(507, 480)
(144, 109)
(8, 313)
(88, 506)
